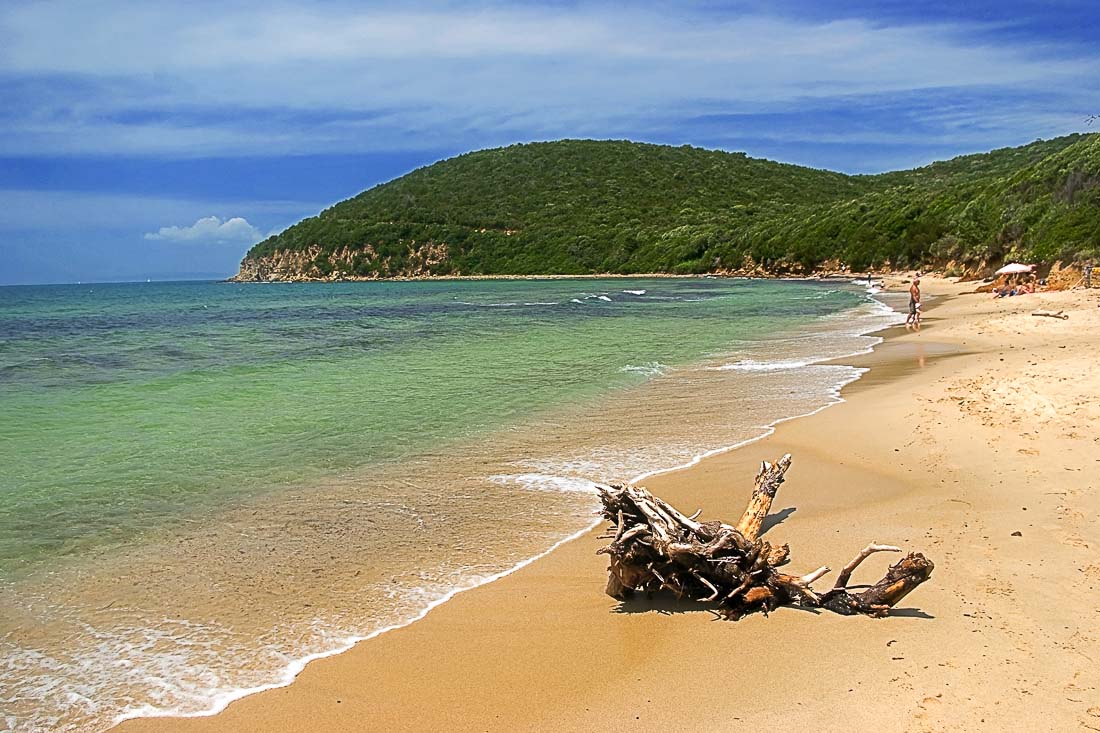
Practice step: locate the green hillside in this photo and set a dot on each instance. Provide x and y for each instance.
(575, 206)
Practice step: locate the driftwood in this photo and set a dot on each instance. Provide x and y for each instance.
(1049, 314)
(655, 547)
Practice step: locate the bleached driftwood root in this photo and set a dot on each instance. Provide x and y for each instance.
(655, 547)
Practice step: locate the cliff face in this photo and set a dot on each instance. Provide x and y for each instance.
(348, 263)
(281, 266)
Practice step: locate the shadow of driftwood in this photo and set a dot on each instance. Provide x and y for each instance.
(665, 603)
(910, 613)
(777, 518)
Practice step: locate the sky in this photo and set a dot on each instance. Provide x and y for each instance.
(161, 140)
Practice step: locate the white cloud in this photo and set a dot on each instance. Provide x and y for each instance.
(454, 76)
(210, 230)
(37, 210)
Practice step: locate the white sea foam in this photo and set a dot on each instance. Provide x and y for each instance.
(547, 482)
(819, 294)
(649, 369)
(834, 398)
(506, 305)
(221, 699)
(486, 305)
(635, 292)
(751, 365)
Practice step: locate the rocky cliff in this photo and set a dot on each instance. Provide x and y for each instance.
(347, 263)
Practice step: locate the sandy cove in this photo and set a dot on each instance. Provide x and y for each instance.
(985, 425)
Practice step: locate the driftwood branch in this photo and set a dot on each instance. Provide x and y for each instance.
(768, 481)
(655, 548)
(1050, 314)
(866, 552)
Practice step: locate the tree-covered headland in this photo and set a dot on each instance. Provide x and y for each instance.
(583, 206)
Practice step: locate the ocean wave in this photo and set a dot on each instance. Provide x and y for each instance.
(818, 295)
(505, 305)
(649, 369)
(850, 333)
(487, 305)
(635, 292)
(547, 482)
(752, 365)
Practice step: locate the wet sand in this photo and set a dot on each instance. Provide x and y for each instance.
(984, 425)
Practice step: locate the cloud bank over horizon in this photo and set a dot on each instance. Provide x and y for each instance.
(210, 229)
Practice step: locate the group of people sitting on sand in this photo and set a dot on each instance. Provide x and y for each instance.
(1009, 289)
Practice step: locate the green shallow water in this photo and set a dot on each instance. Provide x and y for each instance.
(124, 408)
(203, 485)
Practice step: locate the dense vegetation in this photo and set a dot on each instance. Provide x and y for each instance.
(579, 206)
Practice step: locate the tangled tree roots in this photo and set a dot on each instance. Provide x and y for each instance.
(656, 547)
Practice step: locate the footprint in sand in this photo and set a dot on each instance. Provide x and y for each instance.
(1075, 541)
(996, 587)
(929, 714)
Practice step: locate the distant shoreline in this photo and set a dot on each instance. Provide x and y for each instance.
(602, 276)
(426, 278)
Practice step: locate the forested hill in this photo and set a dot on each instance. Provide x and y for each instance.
(581, 206)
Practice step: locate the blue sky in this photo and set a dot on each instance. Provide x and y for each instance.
(160, 140)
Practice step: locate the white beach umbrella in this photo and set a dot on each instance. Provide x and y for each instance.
(1014, 268)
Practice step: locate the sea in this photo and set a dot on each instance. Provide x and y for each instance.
(205, 485)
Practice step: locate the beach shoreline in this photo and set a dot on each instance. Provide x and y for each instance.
(808, 277)
(506, 656)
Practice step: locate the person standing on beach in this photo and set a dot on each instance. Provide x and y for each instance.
(913, 319)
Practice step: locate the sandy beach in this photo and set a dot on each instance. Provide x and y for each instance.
(976, 442)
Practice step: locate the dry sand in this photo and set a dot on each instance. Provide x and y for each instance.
(982, 426)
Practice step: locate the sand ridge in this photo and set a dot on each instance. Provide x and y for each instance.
(975, 442)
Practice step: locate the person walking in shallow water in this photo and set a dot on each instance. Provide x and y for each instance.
(913, 319)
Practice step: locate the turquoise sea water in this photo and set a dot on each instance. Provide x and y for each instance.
(160, 440)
